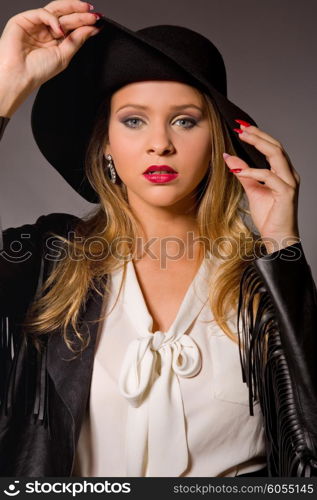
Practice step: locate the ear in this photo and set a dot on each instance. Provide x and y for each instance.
(106, 147)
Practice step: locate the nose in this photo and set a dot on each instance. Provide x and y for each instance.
(160, 142)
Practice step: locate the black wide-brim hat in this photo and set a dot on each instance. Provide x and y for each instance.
(65, 107)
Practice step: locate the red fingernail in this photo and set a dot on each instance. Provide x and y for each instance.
(91, 7)
(235, 170)
(98, 15)
(242, 122)
(62, 30)
(238, 130)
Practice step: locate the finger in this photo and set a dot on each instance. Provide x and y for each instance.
(72, 43)
(236, 163)
(257, 131)
(293, 169)
(271, 180)
(63, 7)
(73, 21)
(274, 155)
(252, 129)
(34, 18)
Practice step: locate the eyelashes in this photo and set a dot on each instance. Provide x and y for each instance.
(189, 120)
(127, 122)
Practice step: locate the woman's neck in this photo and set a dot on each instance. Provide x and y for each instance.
(167, 231)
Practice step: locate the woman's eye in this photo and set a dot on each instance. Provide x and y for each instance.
(189, 121)
(130, 122)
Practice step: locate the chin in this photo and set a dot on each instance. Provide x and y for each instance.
(164, 201)
(160, 196)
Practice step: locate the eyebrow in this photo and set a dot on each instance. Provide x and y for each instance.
(181, 106)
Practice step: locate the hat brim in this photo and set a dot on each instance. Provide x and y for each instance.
(65, 106)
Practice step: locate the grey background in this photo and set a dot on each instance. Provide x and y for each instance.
(270, 53)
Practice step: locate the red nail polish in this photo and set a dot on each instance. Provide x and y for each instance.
(242, 122)
(235, 170)
(98, 15)
(62, 30)
(238, 130)
(91, 7)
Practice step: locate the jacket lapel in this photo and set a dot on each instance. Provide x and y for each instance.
(72, 375)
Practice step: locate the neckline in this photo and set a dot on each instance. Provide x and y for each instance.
(193, 300)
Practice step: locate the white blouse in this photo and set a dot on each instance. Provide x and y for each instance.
(167, 403)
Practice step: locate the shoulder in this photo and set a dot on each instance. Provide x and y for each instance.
(57, 222)
(32, 233)
(21, 252)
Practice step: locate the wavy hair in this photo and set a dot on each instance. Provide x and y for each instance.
(224, 231)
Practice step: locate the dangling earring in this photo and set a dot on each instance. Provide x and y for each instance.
(111, 169)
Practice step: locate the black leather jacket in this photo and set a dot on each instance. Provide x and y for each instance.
(43, 396)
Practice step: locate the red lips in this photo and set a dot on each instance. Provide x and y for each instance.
(155, 168)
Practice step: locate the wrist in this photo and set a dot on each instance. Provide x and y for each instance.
(274, 244)
(12, 93)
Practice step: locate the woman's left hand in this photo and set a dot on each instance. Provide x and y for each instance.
(273, 205)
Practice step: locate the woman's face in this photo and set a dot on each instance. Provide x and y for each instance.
(159, 123)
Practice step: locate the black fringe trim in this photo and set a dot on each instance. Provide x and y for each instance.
(265, 371)
(23, 369)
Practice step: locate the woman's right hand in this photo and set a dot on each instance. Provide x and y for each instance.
(33, 48)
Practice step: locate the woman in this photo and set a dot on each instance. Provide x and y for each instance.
(148, 301)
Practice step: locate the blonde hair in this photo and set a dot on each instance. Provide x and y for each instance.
(221, 214)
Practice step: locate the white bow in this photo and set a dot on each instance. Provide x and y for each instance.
(148, 380)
